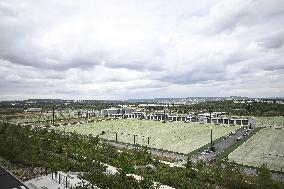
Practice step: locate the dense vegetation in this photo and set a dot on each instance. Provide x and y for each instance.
(72, 152)
(7, 107)
(241, 109)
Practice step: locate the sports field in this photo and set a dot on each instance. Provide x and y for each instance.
(266, 146)
(276, 120)
(37, 117)
(173, 136)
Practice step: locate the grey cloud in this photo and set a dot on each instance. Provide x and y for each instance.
(65, 91)
(134, 64)
(276, 65)
(50, 61)
(196, 76)
(227, 16)
(274, 40)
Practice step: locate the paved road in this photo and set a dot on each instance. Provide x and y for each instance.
(221, 146)
(8, 181)
(177, 156)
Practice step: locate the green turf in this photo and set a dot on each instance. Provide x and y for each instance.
(267, 146)
(37, 117)
(276, 120)
(230, 149)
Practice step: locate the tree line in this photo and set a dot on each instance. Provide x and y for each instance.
(240, 109)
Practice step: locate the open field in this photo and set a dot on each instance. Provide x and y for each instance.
(267, 146)
(36, 117)
(276, 120)
(174, 136)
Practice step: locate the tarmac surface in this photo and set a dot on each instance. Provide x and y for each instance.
(9, 181)
(228, 141)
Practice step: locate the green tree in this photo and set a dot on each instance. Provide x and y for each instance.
(264, 179)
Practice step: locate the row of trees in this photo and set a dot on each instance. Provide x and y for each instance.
(19, 106)
(242, 109)
(72, 152)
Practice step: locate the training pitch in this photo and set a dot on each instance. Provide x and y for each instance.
(39, 117)
(173, 136)
(276, 120)
(266, 146)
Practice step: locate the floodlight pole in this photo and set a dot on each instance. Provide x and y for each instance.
(211, 132)
(211, 138)
(164, 116)
(210, 112)
(53, 115)
(66, 181)
(116, 136)
(148, 140)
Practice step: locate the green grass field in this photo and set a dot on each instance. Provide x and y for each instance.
(267, 146)
(35, 117)
(173, 136)
(277, 120)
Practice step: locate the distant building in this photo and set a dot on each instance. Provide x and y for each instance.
(117, 111)
(213, 114)
(33, 110)
(153, 105)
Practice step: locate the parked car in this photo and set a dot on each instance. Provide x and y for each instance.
(239, 138)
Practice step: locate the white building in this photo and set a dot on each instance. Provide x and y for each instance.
(116, 111)
(33, 110)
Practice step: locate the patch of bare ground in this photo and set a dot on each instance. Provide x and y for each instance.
(22, 172)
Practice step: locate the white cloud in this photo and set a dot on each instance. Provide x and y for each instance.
(128, 49)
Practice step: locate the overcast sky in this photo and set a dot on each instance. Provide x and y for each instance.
(91, 49)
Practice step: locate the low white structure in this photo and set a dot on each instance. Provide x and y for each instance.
(33, 110)
(62, 180)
